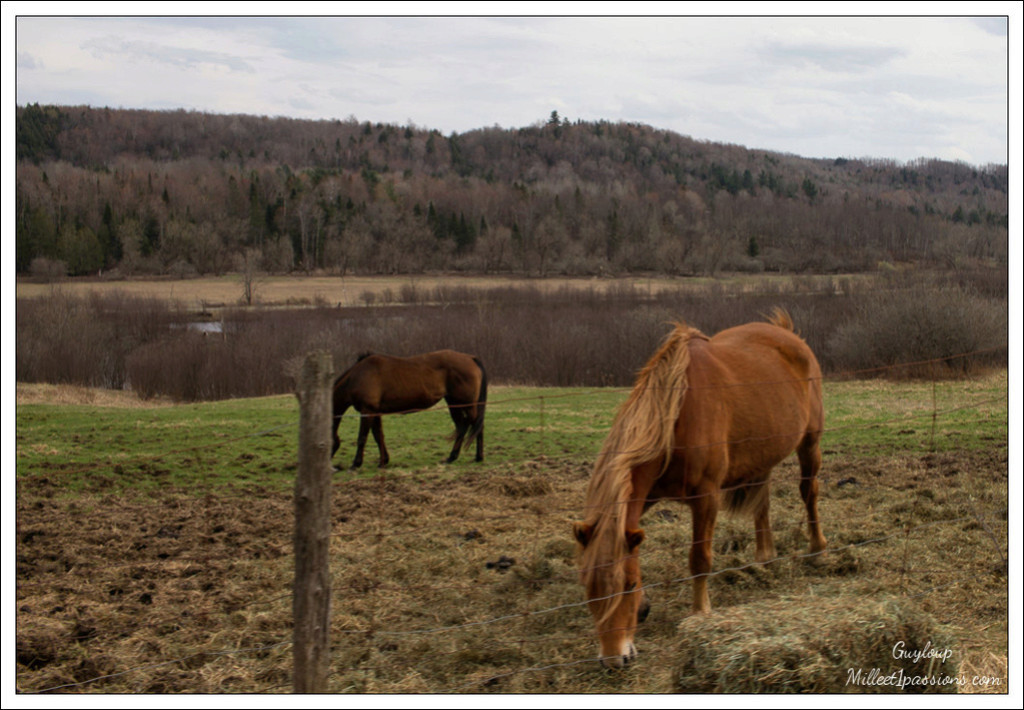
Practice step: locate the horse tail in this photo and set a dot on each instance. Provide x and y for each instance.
(481, 403)
(643, 432)
(780, 317)
(746, 499)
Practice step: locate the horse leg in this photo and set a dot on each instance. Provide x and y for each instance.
(335, 440)
(339, 406)
(480, 438)
(704, 508)
(461, 419)
(765, 544)
(810, 462)
(377, 427)
(364, 430)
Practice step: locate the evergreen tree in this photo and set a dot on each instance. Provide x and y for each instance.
(810, 189)
(36, 132)
(465, 236)
(35, 235)
(150, 236)
(748, 181)
(79, 248)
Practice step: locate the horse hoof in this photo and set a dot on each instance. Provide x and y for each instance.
(816, 559)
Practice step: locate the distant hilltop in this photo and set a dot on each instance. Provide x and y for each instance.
(182, 192)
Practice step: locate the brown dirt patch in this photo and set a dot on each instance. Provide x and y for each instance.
(467, 585)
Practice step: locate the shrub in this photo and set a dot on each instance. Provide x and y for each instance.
(929, 330)
(63, 339)
(48, 270)
(525, 335)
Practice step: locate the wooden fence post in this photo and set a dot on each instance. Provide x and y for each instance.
(311, 596)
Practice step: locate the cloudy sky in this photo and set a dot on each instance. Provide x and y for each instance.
(851, 86)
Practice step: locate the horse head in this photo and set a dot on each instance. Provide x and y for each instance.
(610, 574)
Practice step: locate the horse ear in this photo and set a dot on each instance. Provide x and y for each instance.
(634, 538)
(582, 531)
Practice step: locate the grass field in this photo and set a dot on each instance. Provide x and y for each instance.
(213, 292)
(154, 541)
(222, 291)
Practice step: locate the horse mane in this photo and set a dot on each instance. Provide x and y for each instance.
(643, 431)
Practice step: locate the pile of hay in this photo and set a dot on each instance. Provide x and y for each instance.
(816, 645)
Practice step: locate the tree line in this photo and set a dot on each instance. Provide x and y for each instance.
(179, 192)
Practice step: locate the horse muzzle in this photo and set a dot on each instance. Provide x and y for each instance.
(620, 660)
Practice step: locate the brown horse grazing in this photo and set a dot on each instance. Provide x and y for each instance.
(705, 423)
(381, 384)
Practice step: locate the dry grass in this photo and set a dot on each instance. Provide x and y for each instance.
(220, 291)
(308, 290)
(845, 644)
(443, 585)
(43, 393)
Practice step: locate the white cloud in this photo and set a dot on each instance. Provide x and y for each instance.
(824, 86)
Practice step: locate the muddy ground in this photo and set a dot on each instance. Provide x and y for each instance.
(467, 585)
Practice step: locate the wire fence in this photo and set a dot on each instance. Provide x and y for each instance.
(592, 660)
(987, 520)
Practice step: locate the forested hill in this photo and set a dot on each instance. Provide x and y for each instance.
(185, 192)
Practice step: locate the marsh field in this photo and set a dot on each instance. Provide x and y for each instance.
(283, 290)
(154, 535)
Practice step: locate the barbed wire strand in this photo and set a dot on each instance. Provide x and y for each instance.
(540, 398)
(515, 514)
(982, 521)
(518, 615)
(664, 583)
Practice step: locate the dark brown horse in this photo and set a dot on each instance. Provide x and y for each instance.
(381, 384)
(707, 420)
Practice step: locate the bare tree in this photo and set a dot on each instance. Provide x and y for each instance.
(247, 263)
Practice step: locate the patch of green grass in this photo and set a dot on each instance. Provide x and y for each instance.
(253, 441)
(176, 523)
(234, 442)
(876, 417)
